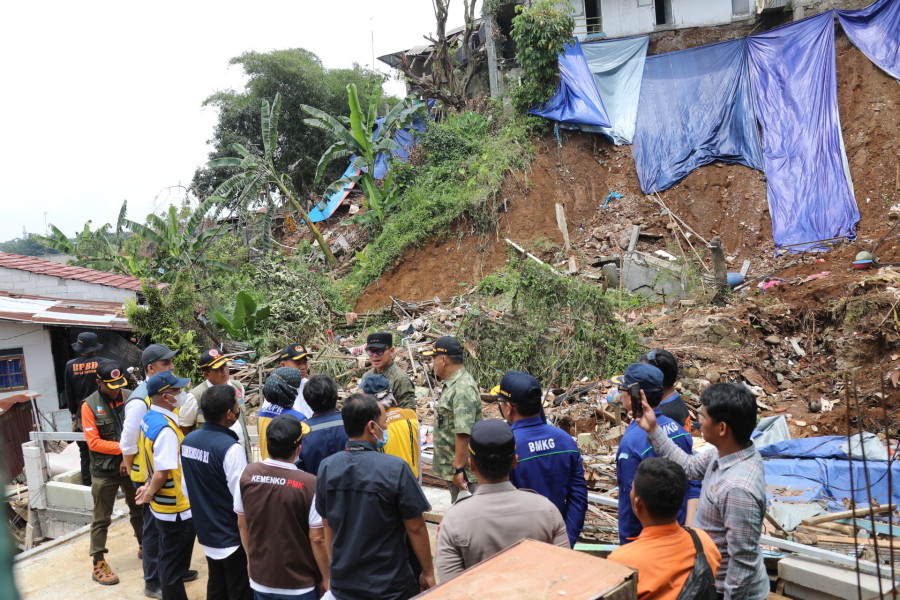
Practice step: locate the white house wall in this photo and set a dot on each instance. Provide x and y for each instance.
(634, 17)
(34, 341)
(34, 284)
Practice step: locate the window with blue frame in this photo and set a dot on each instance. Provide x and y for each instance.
(12, 370)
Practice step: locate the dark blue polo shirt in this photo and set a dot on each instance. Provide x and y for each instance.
(365, 496)
(327, 436)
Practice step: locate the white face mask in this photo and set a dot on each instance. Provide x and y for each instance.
(180, 399)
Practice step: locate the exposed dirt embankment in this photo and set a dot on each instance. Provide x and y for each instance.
(729, 201)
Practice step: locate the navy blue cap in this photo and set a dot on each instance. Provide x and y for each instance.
(518, 387)
(648, 377)
(492, 438)
(375, 384)
(165, 381)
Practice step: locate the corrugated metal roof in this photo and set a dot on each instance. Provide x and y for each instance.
(6, 403)
(45, 267)
(56, 311)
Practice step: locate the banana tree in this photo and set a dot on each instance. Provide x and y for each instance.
(176, 248)
(362, 140)
(246, 320)
(99, 249)
(257, 173)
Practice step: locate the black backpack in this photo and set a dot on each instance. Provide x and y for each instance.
(701, 583)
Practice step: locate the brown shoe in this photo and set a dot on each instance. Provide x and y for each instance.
(103, 574)
(140, 551)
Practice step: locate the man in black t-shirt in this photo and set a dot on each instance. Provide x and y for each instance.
(80, 382)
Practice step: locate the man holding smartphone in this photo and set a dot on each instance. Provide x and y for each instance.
(635, 447)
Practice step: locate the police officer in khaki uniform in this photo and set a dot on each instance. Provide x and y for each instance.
(497, 515)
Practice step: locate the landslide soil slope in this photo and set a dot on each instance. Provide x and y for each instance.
(725, 200)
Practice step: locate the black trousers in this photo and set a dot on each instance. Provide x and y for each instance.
(176, 544)
(228, 578)
(150, 546)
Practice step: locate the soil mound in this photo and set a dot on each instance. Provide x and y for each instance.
(725, 200)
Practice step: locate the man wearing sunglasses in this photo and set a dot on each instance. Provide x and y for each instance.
(380, 349)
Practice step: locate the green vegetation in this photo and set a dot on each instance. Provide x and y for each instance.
(256, 172)
(26, 246)
(168, 318)
(558, 329)
(359, 141)
(461, 166)
(540, 32)
(245, 321)
(299, 77)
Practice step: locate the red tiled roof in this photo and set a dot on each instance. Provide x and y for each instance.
(46, 267)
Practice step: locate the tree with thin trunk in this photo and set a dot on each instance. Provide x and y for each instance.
(257, 173)
(447, 80)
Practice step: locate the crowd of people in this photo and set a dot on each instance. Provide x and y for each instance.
(334, 506)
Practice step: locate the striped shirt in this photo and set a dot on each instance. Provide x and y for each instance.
(731, 510)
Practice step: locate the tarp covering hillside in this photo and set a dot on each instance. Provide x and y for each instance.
(576, 101)
(695, 108)
(795, 92)
(876, 31)
(617, 67)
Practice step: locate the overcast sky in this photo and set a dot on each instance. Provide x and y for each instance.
(102, 100)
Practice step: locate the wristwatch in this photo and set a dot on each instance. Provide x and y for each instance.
(459, 470)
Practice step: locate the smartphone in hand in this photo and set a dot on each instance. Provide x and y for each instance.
(637, 407)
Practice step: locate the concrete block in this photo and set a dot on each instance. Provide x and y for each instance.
(73, 476)
(69, 495)
(809, 579)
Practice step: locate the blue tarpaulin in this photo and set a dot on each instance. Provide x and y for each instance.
(795, 92)
(405, 144)
(617, 67)
(576, 101)
(816, 468)
(876, 31)
(695, 108)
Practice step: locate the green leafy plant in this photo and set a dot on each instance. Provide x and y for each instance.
(358, 140)
(246, 320)
(174, 247)
(257, 172)
(540, 32)
(167, 317)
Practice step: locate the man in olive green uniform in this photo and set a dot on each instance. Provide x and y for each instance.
(380, 348)
(102, 414)
(458, 409)
(214, 367)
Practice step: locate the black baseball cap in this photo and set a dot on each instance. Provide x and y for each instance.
(293, 352)
(155, 352)
(492, 438)
(87, 342)
(285, 432)
(447, 344)
(380, 340)
(110, 373)
(212, 359)
(517, 387)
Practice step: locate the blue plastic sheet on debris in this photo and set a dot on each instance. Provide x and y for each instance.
(816, 468)
(876, 31)
(405, 140)
(577, 101)
(695, 108)
(617, 67)
(794, 78)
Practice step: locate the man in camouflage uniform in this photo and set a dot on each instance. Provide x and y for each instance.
(380, 348)
(458, 409)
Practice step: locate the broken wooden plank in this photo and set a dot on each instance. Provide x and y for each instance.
(849, 514)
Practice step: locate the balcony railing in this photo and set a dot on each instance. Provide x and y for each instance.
(588, 27)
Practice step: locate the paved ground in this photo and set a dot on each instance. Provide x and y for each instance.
(65, 571)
